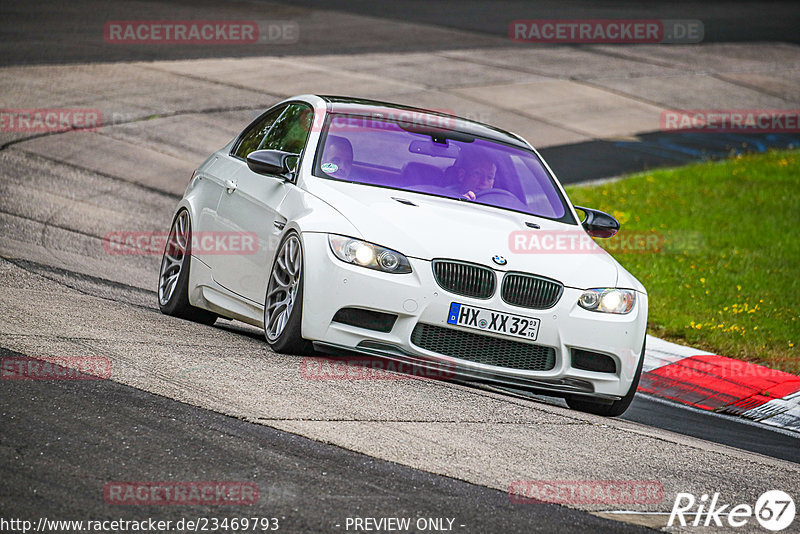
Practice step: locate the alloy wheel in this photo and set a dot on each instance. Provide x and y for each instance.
(282, 290)
(175, 254)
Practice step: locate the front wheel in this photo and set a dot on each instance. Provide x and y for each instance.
(283, 305)
(173, 277)
(614, 409)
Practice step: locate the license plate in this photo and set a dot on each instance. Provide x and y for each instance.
(493, 321)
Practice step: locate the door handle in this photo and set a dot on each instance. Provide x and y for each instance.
(230, 186)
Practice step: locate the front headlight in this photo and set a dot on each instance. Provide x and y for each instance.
(368, 255)
(608, 300)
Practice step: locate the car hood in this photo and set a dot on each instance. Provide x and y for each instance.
(437, 227)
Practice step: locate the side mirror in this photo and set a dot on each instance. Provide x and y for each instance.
(598, 223)
(273, 162)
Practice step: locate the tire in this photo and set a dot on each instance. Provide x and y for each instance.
(614, 409)
(173, 276)
(283, 303)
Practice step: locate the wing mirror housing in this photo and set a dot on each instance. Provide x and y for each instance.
(273, 162)
(598, 223)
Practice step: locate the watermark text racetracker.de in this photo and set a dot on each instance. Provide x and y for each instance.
(624, 242)
(607, 31)
(193, 524)
(383, 118)
(617, 492)
(167, 493)
(699, 368)
(365, 367)
(143, 243)
(731, 120)
(48, 120)
(201, 32)
(55, 368)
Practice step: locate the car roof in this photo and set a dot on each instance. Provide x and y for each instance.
(366, 107)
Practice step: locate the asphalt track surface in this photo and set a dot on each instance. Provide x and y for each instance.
(69, 438)
(724, 429)
(213, 403)
(720, 428)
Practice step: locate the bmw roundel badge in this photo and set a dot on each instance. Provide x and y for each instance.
(499, 260)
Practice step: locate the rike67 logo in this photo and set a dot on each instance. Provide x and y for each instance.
(774, 510)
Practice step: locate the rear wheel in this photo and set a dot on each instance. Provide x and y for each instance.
(173, 278)
(616, 408)
(283, 306)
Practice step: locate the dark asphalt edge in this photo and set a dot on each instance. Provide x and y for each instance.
(779, 445)
(729, 418)
(600, 159)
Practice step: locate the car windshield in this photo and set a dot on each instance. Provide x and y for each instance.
(437, 161)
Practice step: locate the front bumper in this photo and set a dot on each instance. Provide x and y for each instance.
(331, 284)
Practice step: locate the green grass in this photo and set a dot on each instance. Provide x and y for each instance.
(725, 273)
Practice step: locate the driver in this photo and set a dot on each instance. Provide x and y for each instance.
(474, 172)
(338, 157)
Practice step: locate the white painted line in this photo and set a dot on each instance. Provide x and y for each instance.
(660, 353)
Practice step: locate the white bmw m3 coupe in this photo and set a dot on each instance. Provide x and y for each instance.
(403, 233)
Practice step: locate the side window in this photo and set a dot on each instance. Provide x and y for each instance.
(252, 139)
(290, 130)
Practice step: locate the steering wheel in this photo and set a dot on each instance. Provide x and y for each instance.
(499, 192)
